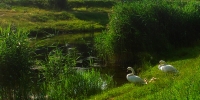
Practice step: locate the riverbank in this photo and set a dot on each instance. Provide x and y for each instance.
(167, 86)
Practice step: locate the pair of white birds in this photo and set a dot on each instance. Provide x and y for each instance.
(162, 66)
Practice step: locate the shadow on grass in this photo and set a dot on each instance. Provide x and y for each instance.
(98, 17)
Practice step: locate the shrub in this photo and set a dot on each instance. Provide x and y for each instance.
(154, 27)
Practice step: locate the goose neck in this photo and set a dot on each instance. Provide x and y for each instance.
(133, 72)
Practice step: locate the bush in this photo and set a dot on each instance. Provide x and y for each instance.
(149, 26)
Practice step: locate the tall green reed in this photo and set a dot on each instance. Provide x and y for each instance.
(65, 81)
(16, 59)
(55, 78)
(155, 27)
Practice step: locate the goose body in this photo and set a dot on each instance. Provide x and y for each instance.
(133, 78)
(166, 68)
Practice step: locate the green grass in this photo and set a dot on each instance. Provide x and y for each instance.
(61, 81)
(44, 21)
(168, 86)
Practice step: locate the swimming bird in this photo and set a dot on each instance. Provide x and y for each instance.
(133, 78)
(166, 68)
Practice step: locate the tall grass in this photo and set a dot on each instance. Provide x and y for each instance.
(63, 81)
(154, 27)
(24, 77)
(16, 59)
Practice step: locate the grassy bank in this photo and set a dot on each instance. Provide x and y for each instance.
(146, 31)
(185, 85)
(135, 30)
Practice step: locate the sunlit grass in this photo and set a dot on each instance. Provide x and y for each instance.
(167, 87)
(39, 20)
(92, 9)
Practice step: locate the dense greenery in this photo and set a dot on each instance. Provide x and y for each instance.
(25, 77)
(145, 27)
(185, 85)
(138, 31)
(16, 59)
(42, 21)
(63, 81)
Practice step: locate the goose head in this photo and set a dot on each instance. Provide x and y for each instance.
(162, 62)
(131, 69)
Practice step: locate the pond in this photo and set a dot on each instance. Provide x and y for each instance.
(83, 43)
(48, 77)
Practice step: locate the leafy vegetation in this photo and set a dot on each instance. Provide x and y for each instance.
(167, 86)
(41, 21)
(143, 29)
(56, 77)
(16, 59)
(25, 77)
(63, 81)
(138, 32)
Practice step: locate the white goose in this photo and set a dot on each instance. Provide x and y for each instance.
(133, 78)
(166, 68)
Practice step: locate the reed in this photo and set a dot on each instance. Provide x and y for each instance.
(167, 87)
(16, 59)
(63, 81)
(155, 27)
(24, 77)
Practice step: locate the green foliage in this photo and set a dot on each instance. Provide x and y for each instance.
(150, 26)
(16, 59)
(64, 81)
(55, 78)
(5, 6)
(105, 50)
(167, 87)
